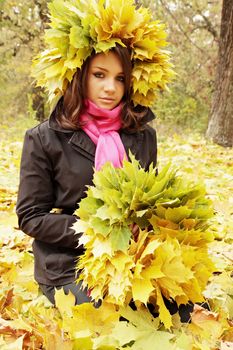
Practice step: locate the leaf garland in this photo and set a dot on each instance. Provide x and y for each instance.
(167, 258)
(79, 27)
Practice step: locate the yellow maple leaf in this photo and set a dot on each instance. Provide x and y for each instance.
(164, 314)
(64, 302)
(150, 248)
(122, 261)
(141, 289)
(97, 320)
(101, 246)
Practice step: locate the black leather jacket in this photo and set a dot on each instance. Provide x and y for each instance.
(56, 166)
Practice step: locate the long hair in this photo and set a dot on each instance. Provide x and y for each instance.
(71, 105)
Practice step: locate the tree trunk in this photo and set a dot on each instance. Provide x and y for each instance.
(220, 127)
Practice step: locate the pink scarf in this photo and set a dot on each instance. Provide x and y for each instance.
(101, 125)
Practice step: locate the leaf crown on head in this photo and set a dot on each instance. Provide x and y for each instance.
(77, 27)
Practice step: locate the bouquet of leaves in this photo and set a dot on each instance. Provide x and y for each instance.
(167, 257)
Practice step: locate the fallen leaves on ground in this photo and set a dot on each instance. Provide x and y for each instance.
(29, 321)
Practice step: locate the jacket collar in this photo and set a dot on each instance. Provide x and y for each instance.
(53, 124)
(82, 142)
(148, 117)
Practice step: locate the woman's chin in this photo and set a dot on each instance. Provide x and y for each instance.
(105, 106)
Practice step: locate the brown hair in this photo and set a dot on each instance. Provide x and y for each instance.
(71, 105)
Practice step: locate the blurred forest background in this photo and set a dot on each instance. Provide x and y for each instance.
(193, 33)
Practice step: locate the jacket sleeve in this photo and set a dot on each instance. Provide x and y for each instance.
(36, 198)
(151, 141)
(153, 148)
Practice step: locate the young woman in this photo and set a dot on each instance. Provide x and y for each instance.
(93, 122)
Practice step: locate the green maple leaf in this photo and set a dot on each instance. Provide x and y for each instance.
(120, 236)
(78, 38)
(142, 331)
(177, 214)
(88, 207)
(103, 46)
(147, 340)
(100, 226)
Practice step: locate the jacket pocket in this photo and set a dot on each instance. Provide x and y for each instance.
(54, 264)
(60, 264)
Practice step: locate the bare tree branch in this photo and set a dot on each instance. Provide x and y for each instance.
(181, 29)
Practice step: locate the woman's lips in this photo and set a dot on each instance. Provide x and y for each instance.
(107, 99)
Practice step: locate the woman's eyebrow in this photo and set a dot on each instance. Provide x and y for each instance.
(106, 70)
(97, 67)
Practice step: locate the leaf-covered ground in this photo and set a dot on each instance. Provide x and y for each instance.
(27, 319)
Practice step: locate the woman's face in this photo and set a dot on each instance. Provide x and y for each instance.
(105, 80)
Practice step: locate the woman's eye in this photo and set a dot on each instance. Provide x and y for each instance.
(121, 78)
(98, 75)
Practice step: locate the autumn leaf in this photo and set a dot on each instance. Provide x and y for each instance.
(64, 302)
(15, 345)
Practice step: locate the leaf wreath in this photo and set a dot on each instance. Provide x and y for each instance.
(77, 28)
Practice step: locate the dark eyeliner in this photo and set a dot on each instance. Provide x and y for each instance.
(121, 78)
(98, 74)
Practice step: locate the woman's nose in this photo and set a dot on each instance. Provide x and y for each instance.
(109, 85)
